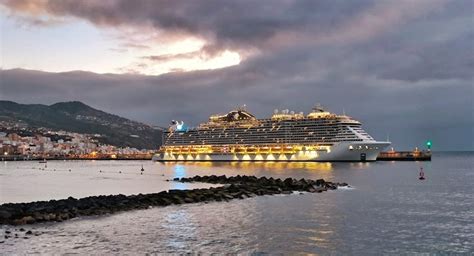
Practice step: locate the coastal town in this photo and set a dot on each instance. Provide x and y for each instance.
(24, 143)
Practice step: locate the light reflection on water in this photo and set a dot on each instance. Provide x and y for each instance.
(274, 166)
(389, 212)
(180, 172)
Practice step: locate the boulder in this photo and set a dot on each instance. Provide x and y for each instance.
(288, 181)
(320, 182)
(5, 215)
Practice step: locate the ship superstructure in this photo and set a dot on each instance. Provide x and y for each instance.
(286, 136)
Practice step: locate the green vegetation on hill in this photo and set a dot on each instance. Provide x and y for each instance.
(80, 118)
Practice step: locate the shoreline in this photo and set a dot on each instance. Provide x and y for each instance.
(18, 159)
(234, 187)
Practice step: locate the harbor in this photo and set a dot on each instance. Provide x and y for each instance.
(387, 195)
(156, 127)
(392, 155)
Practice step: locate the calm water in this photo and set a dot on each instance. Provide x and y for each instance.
(388, 210)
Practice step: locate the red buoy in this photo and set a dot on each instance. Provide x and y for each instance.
(422, 174)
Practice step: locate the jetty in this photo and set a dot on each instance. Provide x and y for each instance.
(415, 155)
(235, 187)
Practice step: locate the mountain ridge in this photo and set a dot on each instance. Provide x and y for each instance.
(76, 116)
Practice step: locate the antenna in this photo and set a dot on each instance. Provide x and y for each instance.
(343, 112)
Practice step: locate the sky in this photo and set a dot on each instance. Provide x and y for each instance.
(403, 68)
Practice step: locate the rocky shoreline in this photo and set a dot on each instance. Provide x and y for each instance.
(235, 187)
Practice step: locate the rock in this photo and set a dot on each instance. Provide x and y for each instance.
(227, 196)
(29, 220)
(22, 229)
(188, 200)
(29, 232)
(263, 180)
(5, 215)
(320, 182)
(235, 187)
(330, 185)
(177, 200)
(320, 189)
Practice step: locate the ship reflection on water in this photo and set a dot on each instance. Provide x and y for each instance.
(277, 166)
(247, 214)
(313, 170)
(180, 172)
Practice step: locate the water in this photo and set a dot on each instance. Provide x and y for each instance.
(387, 210)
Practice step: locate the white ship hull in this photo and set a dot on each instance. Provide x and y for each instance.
(342, 151)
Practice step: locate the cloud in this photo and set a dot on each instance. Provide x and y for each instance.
(167, 57)
(403, 68)
(240, 26)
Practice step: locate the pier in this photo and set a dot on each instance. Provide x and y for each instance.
(415, 155)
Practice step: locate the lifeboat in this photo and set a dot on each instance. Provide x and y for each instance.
(276, 149)
(239, 150)
(251, 149)
(215, 148)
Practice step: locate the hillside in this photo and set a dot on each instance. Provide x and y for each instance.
(78, 117)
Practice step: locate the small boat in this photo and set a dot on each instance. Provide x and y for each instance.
(142, 169)
(422, 174)
(43, 161)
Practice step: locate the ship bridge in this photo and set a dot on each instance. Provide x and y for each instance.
(239, 114)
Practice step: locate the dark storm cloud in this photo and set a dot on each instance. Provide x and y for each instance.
(401, 67)
(231, 24)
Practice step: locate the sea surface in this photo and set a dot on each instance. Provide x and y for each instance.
(387, 210)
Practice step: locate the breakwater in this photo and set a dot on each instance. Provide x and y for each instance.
(235, 187)
(415, 155)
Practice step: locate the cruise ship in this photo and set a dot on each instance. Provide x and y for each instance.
(285, 136)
